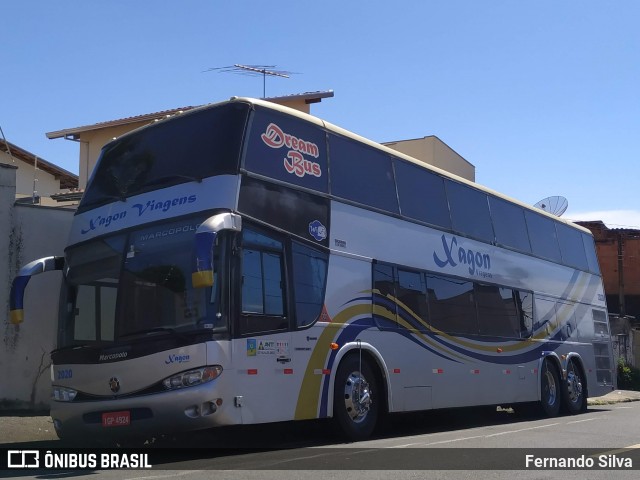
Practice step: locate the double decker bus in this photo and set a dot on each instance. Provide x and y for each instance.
(246, 263)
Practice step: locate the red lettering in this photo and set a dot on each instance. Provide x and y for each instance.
(273, 136)
(294, 162)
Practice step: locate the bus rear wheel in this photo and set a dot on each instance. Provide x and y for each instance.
(550, 386)
(355, 398)
(574, 394)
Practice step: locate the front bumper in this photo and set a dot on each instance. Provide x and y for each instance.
(193, 408)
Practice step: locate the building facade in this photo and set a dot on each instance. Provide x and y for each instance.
(619, 255)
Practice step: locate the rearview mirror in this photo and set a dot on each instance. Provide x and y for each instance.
(205, 239)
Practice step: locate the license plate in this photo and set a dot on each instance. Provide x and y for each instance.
(116, 419)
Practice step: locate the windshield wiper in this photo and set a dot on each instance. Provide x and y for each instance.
(163, 331)
(150, 331)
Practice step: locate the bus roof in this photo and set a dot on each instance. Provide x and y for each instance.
(346, 133)
(358, 138)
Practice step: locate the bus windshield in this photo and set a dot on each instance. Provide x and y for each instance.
(188, 147)
(137, 285)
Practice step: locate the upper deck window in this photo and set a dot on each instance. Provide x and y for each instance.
(288, 149)
(571, 246)
(509, 224)
(188, 147)
(542, 234)
(590, 250)
(422, 195)
(362, 174)
(469, 211)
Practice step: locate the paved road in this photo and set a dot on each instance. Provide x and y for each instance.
(28, 427)
(476, 438)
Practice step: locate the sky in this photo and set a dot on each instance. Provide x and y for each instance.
(542, 96)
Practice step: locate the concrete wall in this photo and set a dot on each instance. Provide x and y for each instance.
(7, 196)
(28, 232)
(625, 338)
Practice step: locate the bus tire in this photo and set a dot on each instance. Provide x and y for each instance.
(356, 401)
(574, 394)
(550, 399)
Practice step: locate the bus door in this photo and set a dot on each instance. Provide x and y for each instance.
(262, 350)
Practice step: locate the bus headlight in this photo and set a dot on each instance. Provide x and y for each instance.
(192, 377)
(64, 394)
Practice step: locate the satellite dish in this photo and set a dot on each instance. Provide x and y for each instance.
(555, 205)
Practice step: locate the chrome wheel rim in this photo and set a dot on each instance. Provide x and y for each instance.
(357, 397)
(574, 385)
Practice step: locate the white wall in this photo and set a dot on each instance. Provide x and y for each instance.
(30, 232)
(7, 195)
(46, 184)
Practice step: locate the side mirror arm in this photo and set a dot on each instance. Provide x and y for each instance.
(19, 284)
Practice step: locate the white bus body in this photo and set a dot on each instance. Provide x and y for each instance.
(301, 303)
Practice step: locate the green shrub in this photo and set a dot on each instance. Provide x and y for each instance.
(628, 377)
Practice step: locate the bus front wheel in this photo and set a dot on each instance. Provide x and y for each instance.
(356, 398)
(550, 385)
(574, 394)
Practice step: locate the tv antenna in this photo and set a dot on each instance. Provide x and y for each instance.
(255, 71)
(555, 205)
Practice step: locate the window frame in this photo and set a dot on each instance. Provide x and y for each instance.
(251, 323)
(247, 323)
(482, 231)
(520, 329)
(370, 155)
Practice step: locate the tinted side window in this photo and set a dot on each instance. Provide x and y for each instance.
(571, 246)
(287, 149)
(509, 224)
(590, 250)
(524, 302)
(422, 194)
(542, 234)
(362, 174)
(469, 211)
(384, 306)
(497, 311)
(295, 211)
(262, 282)
(263, 296)
(309, 281)
(411, 292)
(451, 305)
(191, 146)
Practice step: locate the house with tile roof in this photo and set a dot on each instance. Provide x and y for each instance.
(36, 178)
